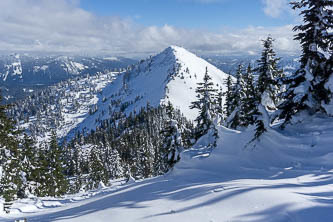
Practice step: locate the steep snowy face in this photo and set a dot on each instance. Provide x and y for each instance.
(172, 76)
(12, 67)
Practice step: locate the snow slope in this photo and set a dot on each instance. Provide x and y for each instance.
(288, 176)
(171, 76)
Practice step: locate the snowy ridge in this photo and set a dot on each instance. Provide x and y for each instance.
(171, 76)
(287, 176)
(82, 104)
(70, 66)
(12, 68)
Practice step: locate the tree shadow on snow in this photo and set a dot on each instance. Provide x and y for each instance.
(179, 189)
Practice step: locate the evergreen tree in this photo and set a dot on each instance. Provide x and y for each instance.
(249, 100)
(98, 172)
(219, 105)
(229, 108)
(116, 170)
(306, 88)
(43, 174)
(234, 120)
(261, 121)
(172, 142)
(205, 104)
(11, 181)
(30, 165)
(57, 184)
(268, 75)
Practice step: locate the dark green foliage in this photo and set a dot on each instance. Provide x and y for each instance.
(268, 74)
(219, 104)
(30, 164)
(234, 119)
(135, 145)
(11, 181)
(42, 171)
(97, 171)
(206, 105)
(172, 142)
(228, 105)
(306, 89)
(249, 100)
(57, 182)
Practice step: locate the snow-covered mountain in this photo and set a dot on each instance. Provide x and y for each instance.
(22, 73)
(172, 76)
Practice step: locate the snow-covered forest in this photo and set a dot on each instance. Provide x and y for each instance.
(173, 137)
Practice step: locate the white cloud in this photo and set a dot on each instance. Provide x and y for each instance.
(61, 26)
(275, 8)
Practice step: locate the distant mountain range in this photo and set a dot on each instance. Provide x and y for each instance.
(21, 74)
(229, 64)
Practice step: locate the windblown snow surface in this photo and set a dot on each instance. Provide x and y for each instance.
(287, 176)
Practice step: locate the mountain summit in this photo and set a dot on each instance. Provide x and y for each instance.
(171, 75)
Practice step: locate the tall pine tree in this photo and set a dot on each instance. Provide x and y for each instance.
(206, 106)
(11, 181)
(234, 119)
(249, 101)
(268, 75)
(228, 105)
(57, 182)
(172, 142)
(306, 88)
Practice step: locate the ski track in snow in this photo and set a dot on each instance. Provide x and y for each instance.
(287, 176)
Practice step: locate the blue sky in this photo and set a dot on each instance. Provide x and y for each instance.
(212, 15)
(144, 27)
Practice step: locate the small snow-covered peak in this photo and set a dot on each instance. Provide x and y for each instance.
(172, 75)
(176, 51)
(175, 48)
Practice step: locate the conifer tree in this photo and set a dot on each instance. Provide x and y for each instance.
(249, 100)
(43, 173)
(268, 86)
(30, 164)
(116, 170)
(219, 105)
(11, 181)
(172, 142)
(234, 120)
(206, 106)
(228, 97)
(98, 172)
(58, 184)
(306, 88)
